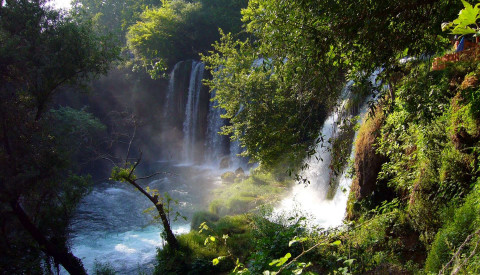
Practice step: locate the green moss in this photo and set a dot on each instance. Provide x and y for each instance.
(228, 177)
(353, 207)
(245, 195)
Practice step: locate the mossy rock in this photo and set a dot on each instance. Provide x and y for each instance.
(240, 174)
(368, 162)
(228, 177)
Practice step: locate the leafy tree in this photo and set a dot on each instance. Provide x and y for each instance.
(111, 16)
(41, 50)
(180, 30)
(307, 49)
(161, 35)
(127, 175)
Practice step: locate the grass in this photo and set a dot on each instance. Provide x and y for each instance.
(245, 195)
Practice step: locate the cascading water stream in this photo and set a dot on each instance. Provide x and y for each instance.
(111, 226)
(191, 111)
(170, 91)
(310, 200)
(215, 143)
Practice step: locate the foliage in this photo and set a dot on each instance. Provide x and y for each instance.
(246, 195)
(208, 248)
(111, 16)
(272, 241)
(42, 51)
(179, 30)
(79, 131)
(277, 86)
(103, 269)
(466, 18)
(464, 222)
(201, 217)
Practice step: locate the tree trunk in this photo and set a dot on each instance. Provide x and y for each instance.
(61, 255)
(171, 240)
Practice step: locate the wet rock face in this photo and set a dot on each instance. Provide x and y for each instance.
(225, 162)
(367, 162)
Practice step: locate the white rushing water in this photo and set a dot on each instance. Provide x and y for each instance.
(310, 199)
(167, 108)
(191, 111)
(215, 143)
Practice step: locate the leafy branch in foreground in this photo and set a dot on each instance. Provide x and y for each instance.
(466, 23)
(126, 173)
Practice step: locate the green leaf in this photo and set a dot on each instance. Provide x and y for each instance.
(281, 261)
(297, 239)
(447, 25)
(336, 243)
(462, 30)
(215, 261)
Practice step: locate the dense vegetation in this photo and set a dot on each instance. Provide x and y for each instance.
(414, 201)
(39, 186)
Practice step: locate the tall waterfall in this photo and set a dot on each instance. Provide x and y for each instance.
(312, 199)
(216, 144)
(167, 108)
(192, 122)
(191, 111)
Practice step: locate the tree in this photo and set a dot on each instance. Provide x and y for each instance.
(111, 16)
(41, 51)
(125, 172)
(305, 51)
(180, 30)
(127, 175)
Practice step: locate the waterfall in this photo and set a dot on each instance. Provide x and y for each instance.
(215, 143)
(191, 111)
(235, 150)
(192, 121)
(167, 109)
(311, 199)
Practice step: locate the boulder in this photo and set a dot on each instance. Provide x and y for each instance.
(228, 177)
(225, 163)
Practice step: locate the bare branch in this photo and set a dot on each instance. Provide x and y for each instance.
(109, 159)
(455, 256)
(135, 165)
(131, 139)
(454, 272)
(300, 255)
(150, 176)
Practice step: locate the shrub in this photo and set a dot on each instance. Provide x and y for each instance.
(465, 221)
(203, 216)
(103, 268)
